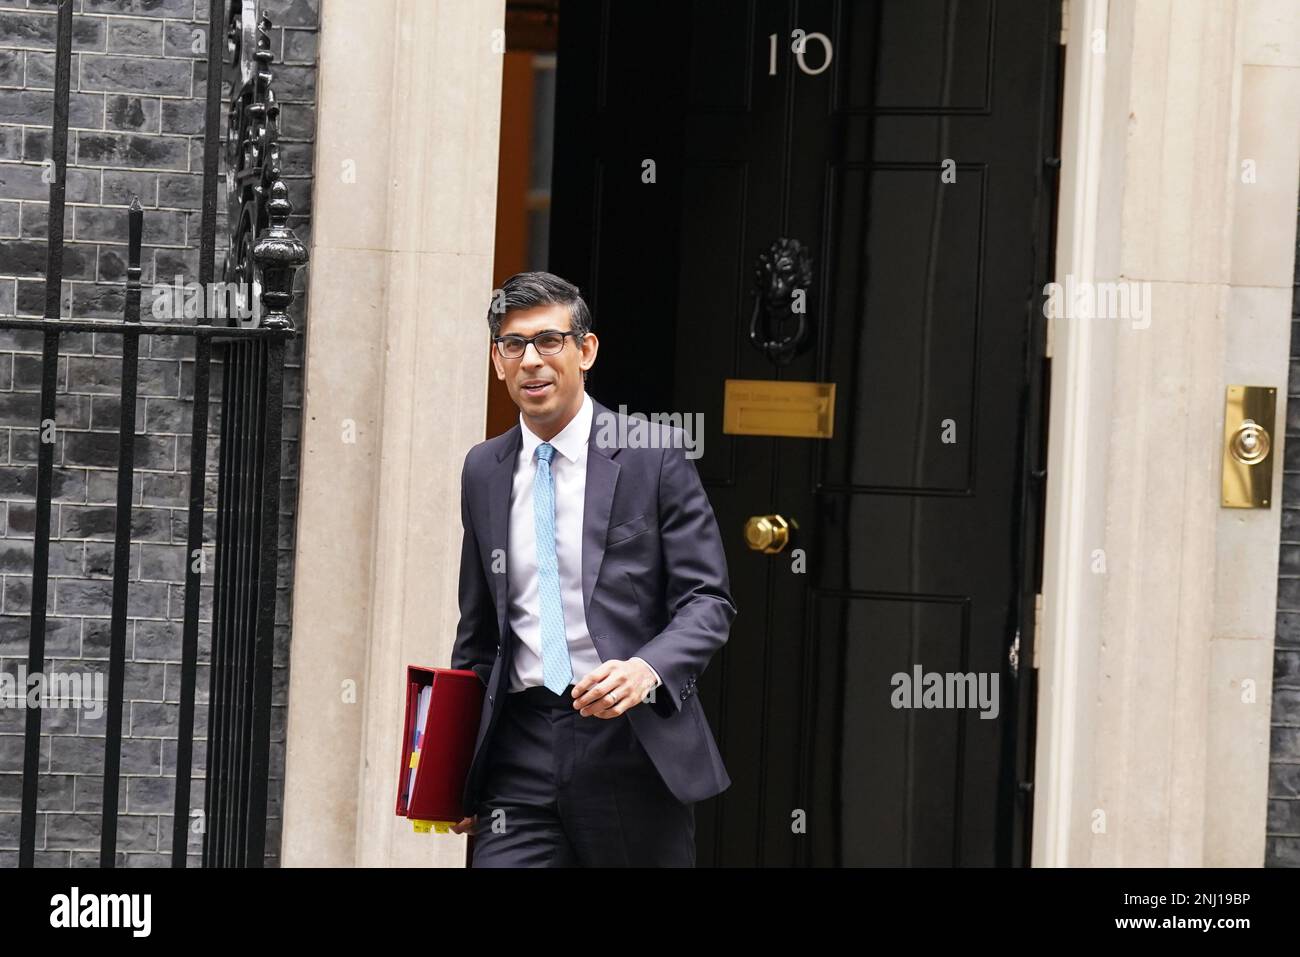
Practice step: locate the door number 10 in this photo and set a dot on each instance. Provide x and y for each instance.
(800, 42)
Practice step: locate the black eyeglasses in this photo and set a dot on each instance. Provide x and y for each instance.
(546, 343)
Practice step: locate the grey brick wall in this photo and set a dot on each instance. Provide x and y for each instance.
(136, 128)
(1283, 842)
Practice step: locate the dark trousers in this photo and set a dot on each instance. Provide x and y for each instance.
(561, 790)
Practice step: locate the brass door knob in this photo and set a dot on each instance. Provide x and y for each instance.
(767, 533)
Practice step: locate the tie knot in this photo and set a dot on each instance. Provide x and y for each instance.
(545, 451)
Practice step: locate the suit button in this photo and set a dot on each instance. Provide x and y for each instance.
(491, 700)
(498, 651)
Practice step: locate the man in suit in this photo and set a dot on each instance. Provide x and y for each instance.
(593, 592)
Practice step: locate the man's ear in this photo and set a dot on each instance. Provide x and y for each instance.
(496, 362)
(590, 344)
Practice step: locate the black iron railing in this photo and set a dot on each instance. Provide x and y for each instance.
(262, 256)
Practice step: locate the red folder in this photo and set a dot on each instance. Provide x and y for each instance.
(441, 762)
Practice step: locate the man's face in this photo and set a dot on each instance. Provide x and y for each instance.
(547, 389)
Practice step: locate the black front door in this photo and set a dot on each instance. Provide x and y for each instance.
(902, 146)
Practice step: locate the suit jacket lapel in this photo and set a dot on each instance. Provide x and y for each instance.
(602, 477)
(500, 484)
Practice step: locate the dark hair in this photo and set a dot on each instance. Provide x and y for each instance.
(524, 290)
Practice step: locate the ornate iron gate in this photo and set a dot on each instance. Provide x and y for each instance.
(262, 257)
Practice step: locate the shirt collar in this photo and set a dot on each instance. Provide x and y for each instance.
(571, 442)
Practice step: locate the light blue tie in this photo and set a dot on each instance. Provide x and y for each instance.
(557, 671)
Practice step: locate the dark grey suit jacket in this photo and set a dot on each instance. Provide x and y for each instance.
(654, 585)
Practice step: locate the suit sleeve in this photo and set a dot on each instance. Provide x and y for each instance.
(476, 633)
(697, 592)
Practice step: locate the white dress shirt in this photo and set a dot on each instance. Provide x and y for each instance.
(523, 610)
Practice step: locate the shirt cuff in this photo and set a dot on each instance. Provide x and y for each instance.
(658, 680)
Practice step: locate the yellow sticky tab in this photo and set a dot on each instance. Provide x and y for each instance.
(440, 827)
(415, 759)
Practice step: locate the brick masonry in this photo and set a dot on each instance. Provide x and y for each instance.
(136, 125)
(1283, 841)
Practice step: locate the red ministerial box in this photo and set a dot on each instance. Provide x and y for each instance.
(442, 761)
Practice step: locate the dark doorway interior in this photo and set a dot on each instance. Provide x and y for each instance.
(528, 73)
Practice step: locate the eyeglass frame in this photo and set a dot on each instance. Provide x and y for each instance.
(527, 340)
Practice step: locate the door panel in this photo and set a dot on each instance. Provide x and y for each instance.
(921, 312)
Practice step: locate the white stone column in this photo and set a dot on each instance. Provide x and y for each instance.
(395, 393)
(1159, 603)
(1257, 309)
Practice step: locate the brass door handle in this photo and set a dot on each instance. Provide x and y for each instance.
(768, 533)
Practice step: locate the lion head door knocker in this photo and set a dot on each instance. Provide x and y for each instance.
(782, 278)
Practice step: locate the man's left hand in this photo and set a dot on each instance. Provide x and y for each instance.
(613, 688)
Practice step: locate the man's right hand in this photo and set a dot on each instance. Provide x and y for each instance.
(466, 824)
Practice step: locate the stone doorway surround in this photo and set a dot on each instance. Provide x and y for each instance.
(395, 394)
(1179, 170)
